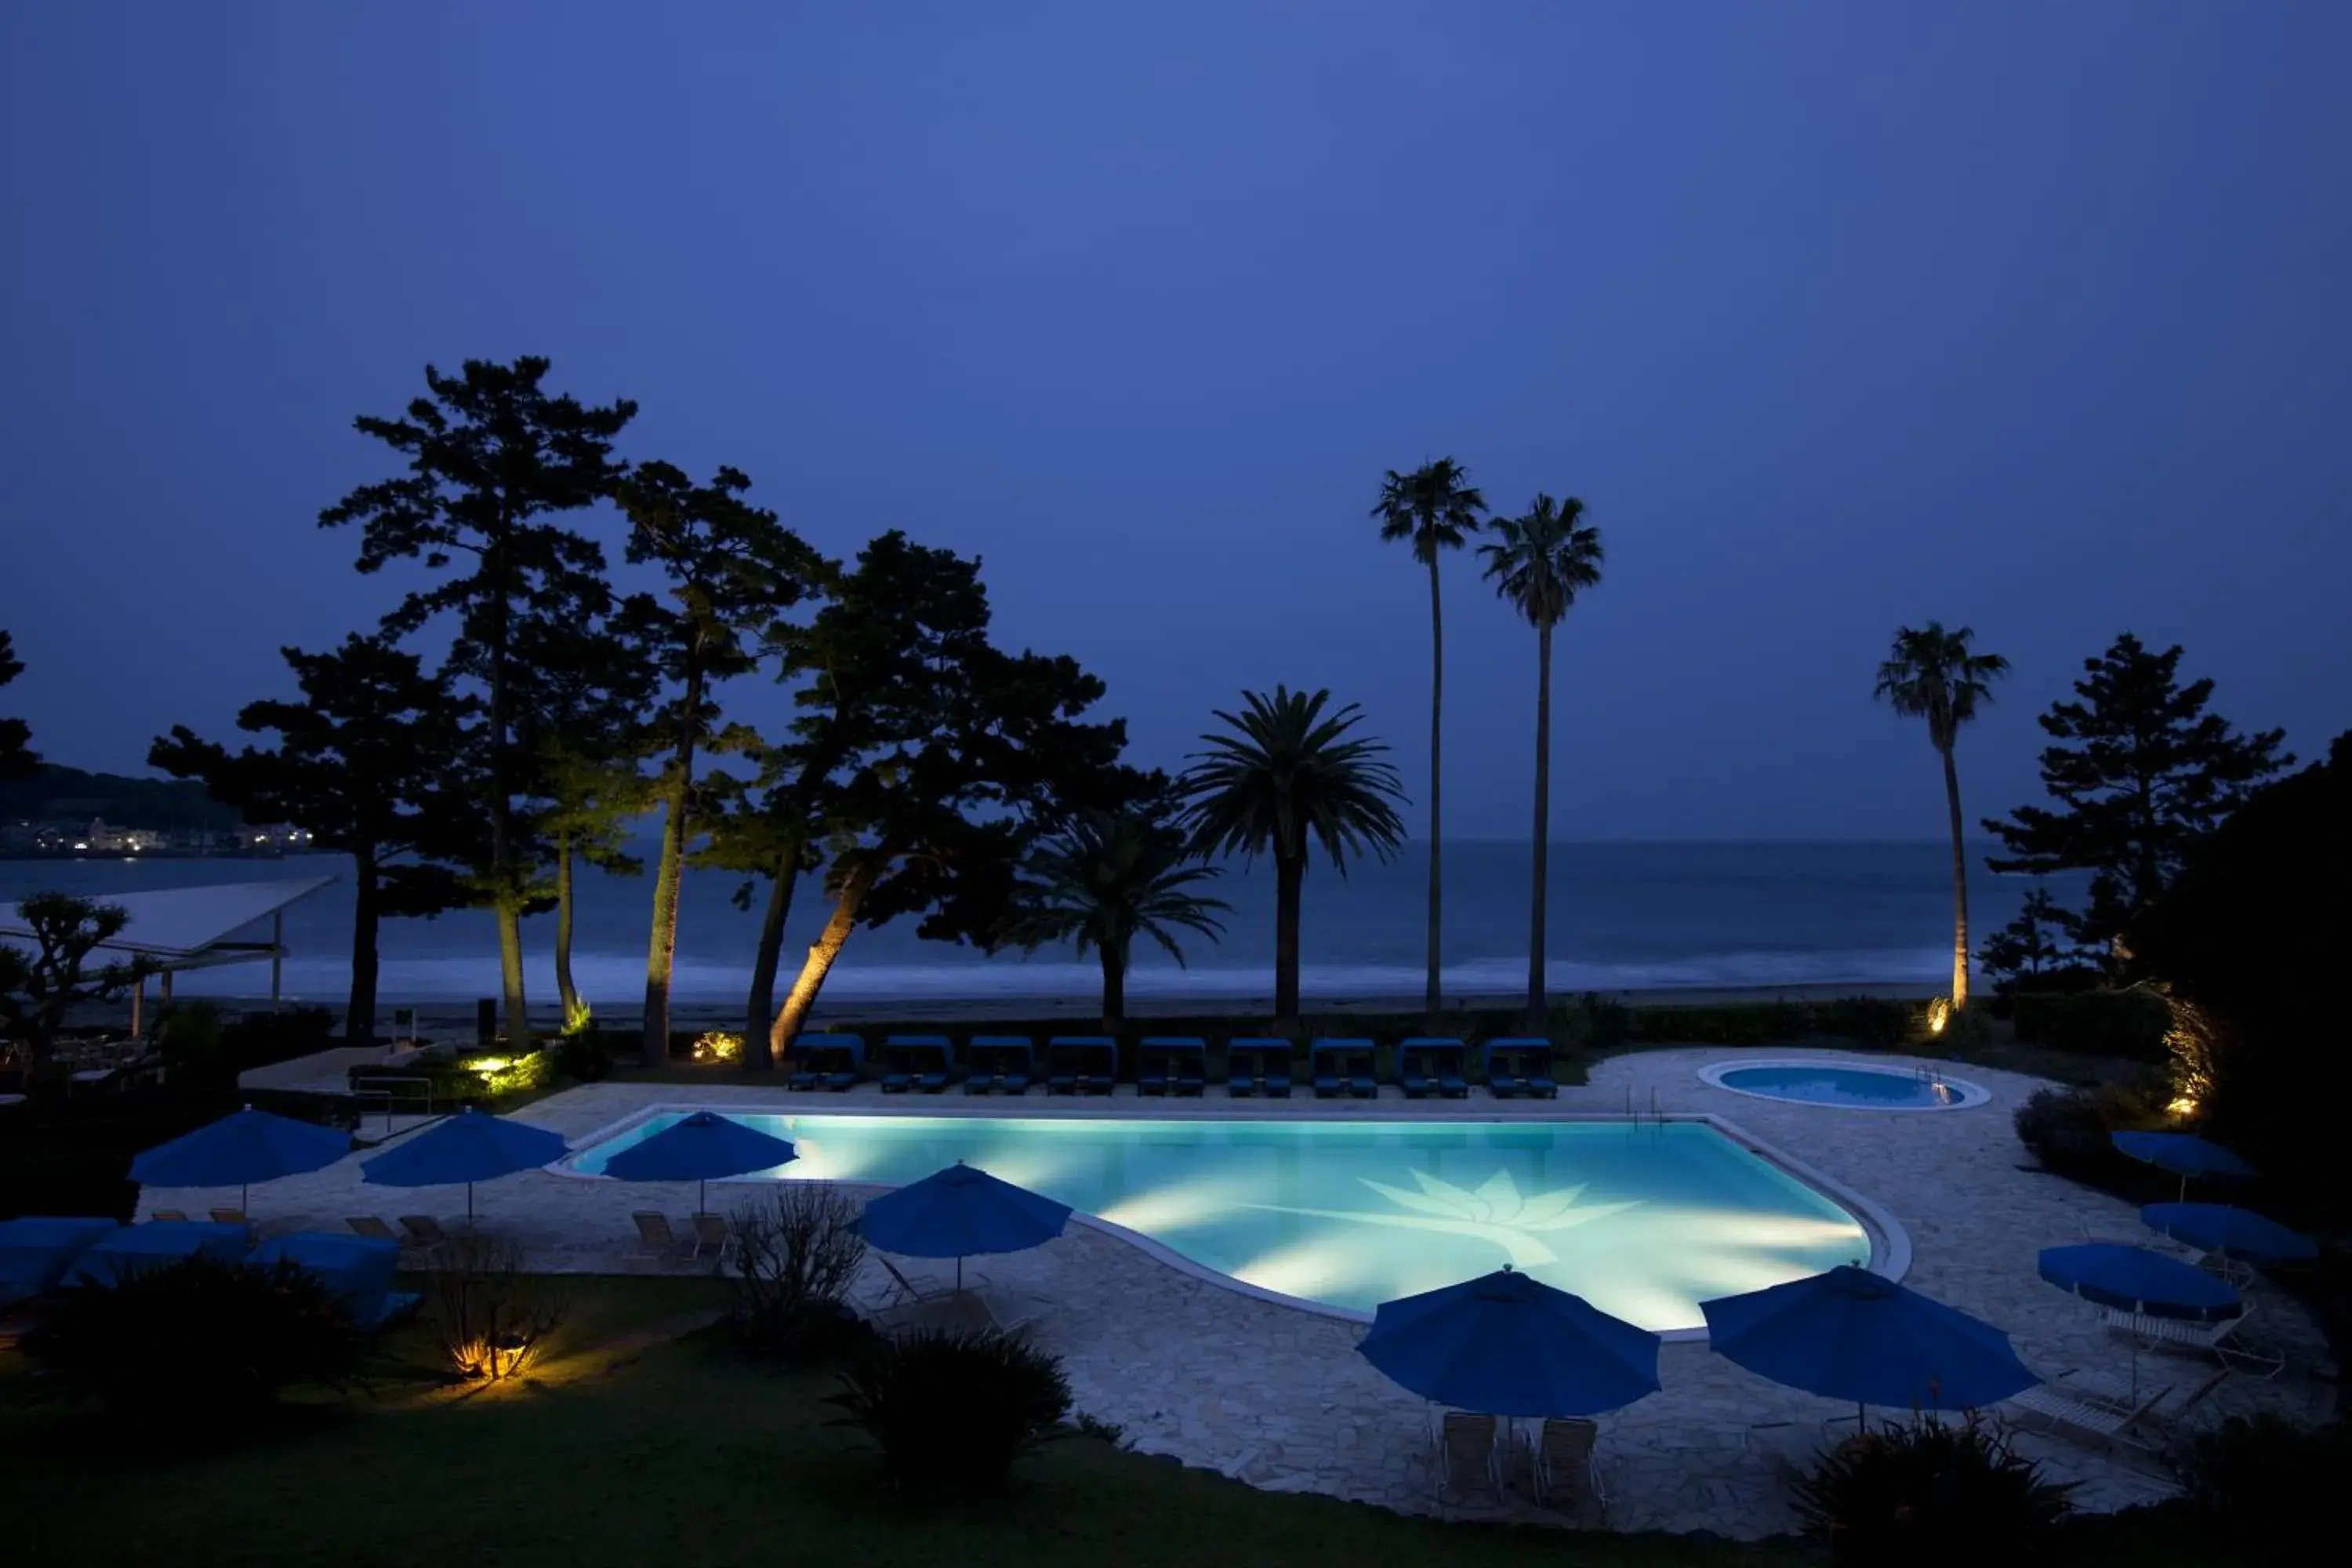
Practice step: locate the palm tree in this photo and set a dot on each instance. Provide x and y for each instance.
(1541, 563)
(1437, 508)
(1930, 674)
(1286, 775)
(1107, 877)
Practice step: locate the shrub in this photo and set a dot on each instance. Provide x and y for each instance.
(2064, 1127)
(717, 1048)
(2093, 1023)
(1866, 1020)
(196, 1347)
(952, 1411)
(492, 1319)
(2269, 1484)
(1929, 1493)
(795, 1256)
(584, 1058)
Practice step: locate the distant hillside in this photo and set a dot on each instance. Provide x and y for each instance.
(68, 795)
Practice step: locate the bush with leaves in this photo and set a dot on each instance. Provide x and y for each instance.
(492, 1318)
(2271, 1485)
(2130, 1022)
(583, 1057)
(951, 1411)
(2062, 1127)
(197, 1348)
(1929, 1493)
(795, 1256)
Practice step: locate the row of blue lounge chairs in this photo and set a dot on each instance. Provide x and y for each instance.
(40, 1255)
(1172, 1065)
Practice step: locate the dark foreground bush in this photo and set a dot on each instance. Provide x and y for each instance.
(1929, 1493)
(2271, 1486)
(2066, 1127)
(951, 1412)
(1865, 1020)
(199, 1348)
(795, 1256)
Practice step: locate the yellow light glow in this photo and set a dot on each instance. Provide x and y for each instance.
(2184, 1106)
(717, 1048)
(1939, 1012)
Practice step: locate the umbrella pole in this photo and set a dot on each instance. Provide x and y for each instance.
(959, 1273)
(469, 1206)
(701, 1197)
(244, 1198)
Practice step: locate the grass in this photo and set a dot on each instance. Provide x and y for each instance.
(690, 1453)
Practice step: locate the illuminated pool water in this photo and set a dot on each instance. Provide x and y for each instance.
(1835, 1083)
(1644, 1221)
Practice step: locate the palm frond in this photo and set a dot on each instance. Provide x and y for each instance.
(1285, 774)
(1931, 673)
(1542, 560)
(1435, 506)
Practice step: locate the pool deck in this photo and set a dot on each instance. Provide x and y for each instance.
(1275, 1396)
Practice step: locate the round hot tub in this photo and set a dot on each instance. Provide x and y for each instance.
(1850, 1086)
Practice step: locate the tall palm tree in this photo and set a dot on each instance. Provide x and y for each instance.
(1283, 777)
(1930, 674)
(1436, 507)
(1539, 562)
(1107, 877)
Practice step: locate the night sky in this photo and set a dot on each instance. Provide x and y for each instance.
(1837, 316)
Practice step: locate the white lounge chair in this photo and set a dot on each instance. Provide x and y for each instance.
(2218, 1340)
(713, 1234)
(1568, 1470)
(2101, 1425)
(904, 1289)
(661, 1243)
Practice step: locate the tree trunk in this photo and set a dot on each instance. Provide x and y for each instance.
(359, 1012)
(1960, 887)
(517, 1011)
(1432, 998)
(1290, 873)
(761, 1005)
(661, 954)
(802, 999)
(567, 992)
(1543, 831)
(1114, 973)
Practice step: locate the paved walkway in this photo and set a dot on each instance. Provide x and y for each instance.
(1275, 1396)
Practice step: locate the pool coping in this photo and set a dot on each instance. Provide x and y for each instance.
(1890, 1244)
(1973, 1094)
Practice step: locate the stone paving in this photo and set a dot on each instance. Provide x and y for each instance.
(1275, 1395)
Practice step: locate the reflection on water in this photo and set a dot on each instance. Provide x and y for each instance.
(1643, 1222)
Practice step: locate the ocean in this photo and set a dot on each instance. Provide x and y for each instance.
(1623, 916)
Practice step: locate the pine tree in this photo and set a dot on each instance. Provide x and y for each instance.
(2142, 773)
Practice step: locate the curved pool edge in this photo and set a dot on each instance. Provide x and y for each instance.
(1972, 1095)
(1890, 1244)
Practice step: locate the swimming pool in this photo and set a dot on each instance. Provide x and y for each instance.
(1847, 1084)
(1644, 1220)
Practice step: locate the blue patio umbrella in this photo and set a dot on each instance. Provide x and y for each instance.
(471, 1146)
(703, 1147)
(1508, 1344)
(959, 1212)
(2182, 1152)
(2144, 1283)
(2232, 1232)
(240, 1149)
(1851, 1334)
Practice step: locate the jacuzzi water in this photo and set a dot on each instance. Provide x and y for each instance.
(1827, 1083)
(1644, 1221)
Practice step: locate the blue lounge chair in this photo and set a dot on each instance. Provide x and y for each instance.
(1328, 1062)
(1090, 1062)
(1000, 1064)
(1529, 1069)
(1429, 1064)
(137, 1247)
(1182, 1063)
(35, 1252)
(917, 1062)
(1501, 1081)
(1258, 1064)
(1360, 1063)
(818, 1060)
(358, 1268)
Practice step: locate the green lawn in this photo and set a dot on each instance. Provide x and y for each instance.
(688, 1455)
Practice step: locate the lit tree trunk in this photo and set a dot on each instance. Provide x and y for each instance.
(517, 1015)
(1543, 830)
(1433, 1000)
(1960, 887)
(1289, 874)
(661, 955)
(508, 895)
(761, 1005)
(1114, 974)
(567, 992)
(802, 999)
(359, 1012)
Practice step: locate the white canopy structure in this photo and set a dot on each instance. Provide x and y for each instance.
(195, 928)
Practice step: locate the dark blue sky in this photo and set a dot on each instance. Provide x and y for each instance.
(2030, 317)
